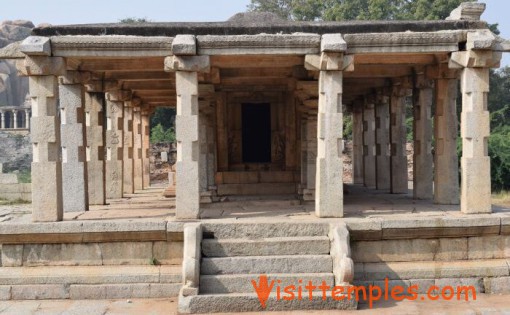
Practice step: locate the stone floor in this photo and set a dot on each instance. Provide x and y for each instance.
(484, 304)
(360, 202)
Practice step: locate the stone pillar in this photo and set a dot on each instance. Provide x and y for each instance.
(187, 125)
(2, 120)
(146, 149)
(303, 163)
(311, 161)
(382, 140)
(369, 148)
(137, 150)
(357, 143)
(475, 122)
(27, 118)
(128, 164)
(398, 138)
(47, 205)
(95, 129)
(329, 178)
(74, 169)
(446, 163)
(14, 119)
(114, 144)
(422, 134)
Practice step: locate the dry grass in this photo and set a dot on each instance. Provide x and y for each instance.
(4, 202)
(501, 198)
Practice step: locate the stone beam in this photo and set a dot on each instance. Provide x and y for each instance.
(113, 65)
(248, 61)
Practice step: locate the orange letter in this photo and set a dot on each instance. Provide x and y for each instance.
(429, 293)
(335, 293)
(357, 290)
(371, 296)
(263, 290)
(395, 291)
(443, 293)
(290, 291)
(413, 292)
(324, 287)
(310, 287)
(466, 290)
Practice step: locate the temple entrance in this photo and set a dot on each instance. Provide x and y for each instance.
(256, 132)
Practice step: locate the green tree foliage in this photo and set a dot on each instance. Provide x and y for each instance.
(339, 10)
(163, 125)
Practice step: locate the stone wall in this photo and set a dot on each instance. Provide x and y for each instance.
(15, 151)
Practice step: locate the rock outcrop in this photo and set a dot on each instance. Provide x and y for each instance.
(13, 89)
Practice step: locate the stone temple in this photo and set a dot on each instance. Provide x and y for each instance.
(260, 110)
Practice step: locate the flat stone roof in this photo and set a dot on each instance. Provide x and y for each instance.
(240, 28)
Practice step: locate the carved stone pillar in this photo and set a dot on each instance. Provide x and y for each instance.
(382, 141)
(475, 122)
(114, 144)
(357, 143)
(2, 120)
(95, 129)
(47, 205)
(128, 164)
(422, 125)
(311, 161)
(398, 138)
(187, 124)
(27, 118)
(74, 168)
(14, 119)
(369, 148)
(146, 149)
(137, 149)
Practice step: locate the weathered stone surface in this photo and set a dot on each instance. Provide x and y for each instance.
(242, 283)
(432, 270)
(357, 145)
(382, 142)
(36, 45)
(62, 255)
(8, 178)
(369, 148)
(131, 253)
(95, 154)
(41, 66)
(12, 255)
(467, 11)
(39, 292)
(168, 253)
(240, 302)
(489, 247)
(187, 63)
(267, 264)
(459, 284)
(5, 292)
(184, 45)
(333, 43)
(265, 229)
(398, 159)
(266, 247)
(114, 149)
(164, 290)
(192, 254)
(500, 285)
(451, 249)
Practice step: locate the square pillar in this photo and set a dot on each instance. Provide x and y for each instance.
(303, 146)
(475, 121)
(146, 149)
(369, 168)
(137, 150)
(423, 173)
(311, 157)
(2, 119)
(114, 145)
(95, 153)
(398, 139)
(74, 168)
(128, 164)
(47, 201)
(382, 141)
(329, 175)
(357, 143)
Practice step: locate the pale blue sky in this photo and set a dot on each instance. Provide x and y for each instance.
(96, 11)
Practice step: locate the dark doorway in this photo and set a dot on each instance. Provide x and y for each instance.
(256, 139)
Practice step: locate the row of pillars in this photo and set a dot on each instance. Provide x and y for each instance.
(88, 145)
(14, 118)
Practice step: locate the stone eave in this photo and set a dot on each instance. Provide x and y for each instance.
(230, 28)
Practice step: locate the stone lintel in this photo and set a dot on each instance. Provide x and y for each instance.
(333, 43)
(188, 63)
(184, 45)
(36, 46)
(475, 59)
(261, 44)
(115, 46)
(119, 96)
(470, 11)
(41, 65)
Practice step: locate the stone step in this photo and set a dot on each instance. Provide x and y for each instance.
(257, 189)
(249, 302)
(303, 245)
(220, 284)
(255, 230)
(89, 275)
(267, 264)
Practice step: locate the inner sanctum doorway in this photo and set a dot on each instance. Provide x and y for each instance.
(256, 133)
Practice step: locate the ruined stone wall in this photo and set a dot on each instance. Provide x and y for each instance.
(15, 151)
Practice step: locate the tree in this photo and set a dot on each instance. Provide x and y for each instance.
(339, 10)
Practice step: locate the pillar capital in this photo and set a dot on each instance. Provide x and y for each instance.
(423, 82)
(475, 59)
(76, 77)
(41, 65)
(119, 95)
(329, 61)
(188, 63)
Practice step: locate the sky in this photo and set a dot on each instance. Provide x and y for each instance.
(103, 11)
